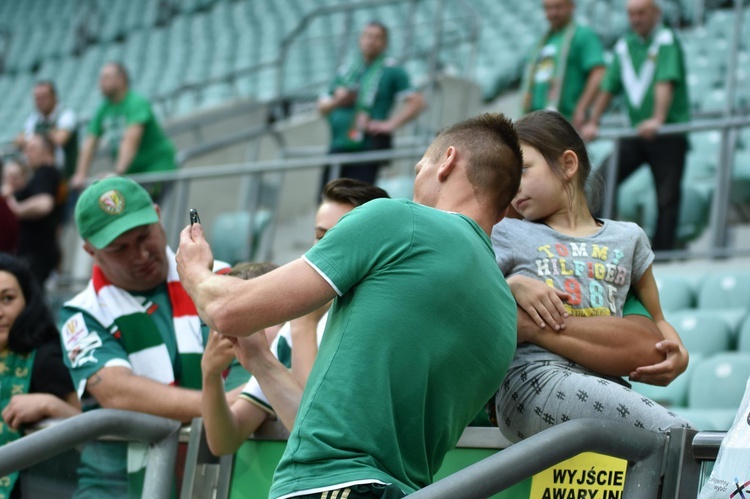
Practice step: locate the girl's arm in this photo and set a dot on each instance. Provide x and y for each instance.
(226, 427)
(676, 356)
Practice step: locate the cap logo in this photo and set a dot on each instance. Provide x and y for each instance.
(112, 202)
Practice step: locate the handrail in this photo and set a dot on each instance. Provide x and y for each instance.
(554, 445)
(720, 204)
(44, 444)
(706, 444)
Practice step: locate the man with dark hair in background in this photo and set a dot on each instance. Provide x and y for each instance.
(359, 104)
(128, 125)
(419, 337)
(52, 119)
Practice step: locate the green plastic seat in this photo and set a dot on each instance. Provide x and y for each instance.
(704, 332)
(232, 239)
(675, 292)
(719, 381)
(725, 290)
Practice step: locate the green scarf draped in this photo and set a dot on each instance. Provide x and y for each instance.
(561, 63)
(366, 78)
(15, 378)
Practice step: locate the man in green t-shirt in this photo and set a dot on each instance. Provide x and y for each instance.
(421, 332)
(361, 98)
(566, 68)
(649, 68)
(127, 124)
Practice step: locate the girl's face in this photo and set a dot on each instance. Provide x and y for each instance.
(541, 193)
(12, 303)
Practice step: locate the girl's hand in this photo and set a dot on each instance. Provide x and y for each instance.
(543, 303)
(217, 356)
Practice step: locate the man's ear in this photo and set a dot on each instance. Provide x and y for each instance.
(570, 163)
(158, 211)
(450, 160)
(88, 248)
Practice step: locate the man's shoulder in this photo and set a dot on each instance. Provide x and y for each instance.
(586, 35)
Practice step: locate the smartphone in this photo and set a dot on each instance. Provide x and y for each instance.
(194, 218)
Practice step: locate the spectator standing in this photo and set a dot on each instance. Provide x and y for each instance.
(429, 360)
(132, 338)
(128, 125)
(55, 121)
(649, 68)
(567, 66)
(37, 206)
(360, 103)
(34, 383)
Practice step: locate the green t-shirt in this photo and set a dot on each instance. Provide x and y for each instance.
(417, 341)
(638, 64)
(156, 152)
(586, 53)
(393, 81)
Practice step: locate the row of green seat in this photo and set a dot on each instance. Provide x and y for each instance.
(709, 393)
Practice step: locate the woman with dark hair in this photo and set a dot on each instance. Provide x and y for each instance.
(34, 382)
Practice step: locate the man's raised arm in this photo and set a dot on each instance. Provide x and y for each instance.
(236, 307)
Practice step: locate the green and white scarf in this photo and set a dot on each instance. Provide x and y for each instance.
(129, 321)
(366, 78)
(637, 82)
(15, 379)
(561, 64)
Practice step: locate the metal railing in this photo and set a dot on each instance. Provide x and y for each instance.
(161, 433)
(183, 178)
(720, 201)
(643, 449)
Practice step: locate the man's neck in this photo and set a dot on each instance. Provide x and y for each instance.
(50, 113)
(562, 27)
(119, 96)
(650, 34)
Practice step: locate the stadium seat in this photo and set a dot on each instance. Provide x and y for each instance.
(743, 336)
(675, 292)
(725, 290)
(718, 382)
(705, 332)
(717, 386)
(398, 187)
(231, 238)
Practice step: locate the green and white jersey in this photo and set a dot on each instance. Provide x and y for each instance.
(281, 347)
(418, 340)
(638, 64)
(155, 153)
